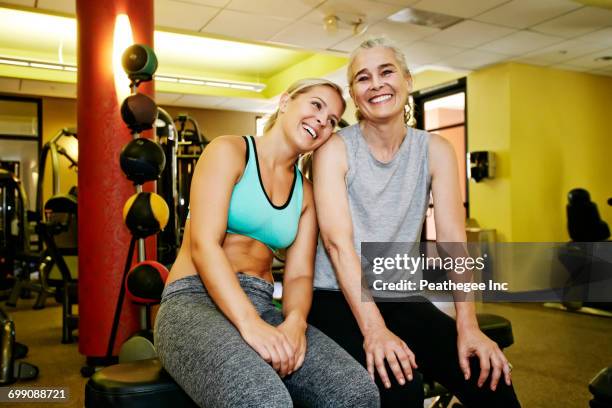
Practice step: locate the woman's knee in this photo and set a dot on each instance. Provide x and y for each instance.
(356, 390)
(409, 395)
(263, 395)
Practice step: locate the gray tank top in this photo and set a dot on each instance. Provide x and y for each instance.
(387, 201)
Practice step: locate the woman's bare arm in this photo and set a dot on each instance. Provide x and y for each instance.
(331, 199)
(450, 228)
(213, 181)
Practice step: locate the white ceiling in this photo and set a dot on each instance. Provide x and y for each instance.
(562, 34)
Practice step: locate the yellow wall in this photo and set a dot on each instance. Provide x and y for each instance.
(549, 131)
(430, 78)
(215, 123)
(560, 140)
(488, 110)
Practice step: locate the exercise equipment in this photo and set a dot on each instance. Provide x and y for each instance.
(139, 62)
(146, 384)
(14, 226)
(54, 148)
(183, 143)
(585, 227)
(59, 233)
(168, 242)
(190, 145)
(144, 285)
(601, 388)
(139, 384)
(12, 370)
(583, 221)
(145, 282)
(145, 214)
(498, 329)
(38, 259)
(139, 112)
(142, 160)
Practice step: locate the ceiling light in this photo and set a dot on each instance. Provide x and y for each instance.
(165, 78)
(191, 81)
(355, 22)
(246, 86)
(330, 23)
(424, 18)
(359, 27)
(36, 64)
(14, 62)
(218, 84)
(46, 66)
(239, 86)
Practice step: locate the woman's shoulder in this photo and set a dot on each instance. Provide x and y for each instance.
(228, 145)
(437, 143)
(230, 141)
(421, 135)
(349, 132)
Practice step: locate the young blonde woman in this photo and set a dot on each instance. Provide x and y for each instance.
(372, 183)
(218, 333)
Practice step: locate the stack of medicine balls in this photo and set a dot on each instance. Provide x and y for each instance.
(142, 160)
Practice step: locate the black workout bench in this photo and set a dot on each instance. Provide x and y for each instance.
(145, 384)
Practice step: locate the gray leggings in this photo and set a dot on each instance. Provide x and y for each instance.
(207, 357)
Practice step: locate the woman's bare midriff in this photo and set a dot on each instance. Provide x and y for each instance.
(246, 255)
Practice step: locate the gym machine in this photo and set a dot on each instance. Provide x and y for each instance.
(585, 228)
(601, 388)
(54, 149)
(12, 370)
(56, 225)
(15, 231)
(183, 143)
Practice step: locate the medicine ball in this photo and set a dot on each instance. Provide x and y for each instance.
(142, 160)
(145, 214)
(145, 282)
(139, 112)
(139, 62)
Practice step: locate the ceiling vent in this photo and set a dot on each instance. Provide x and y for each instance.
(424, 18)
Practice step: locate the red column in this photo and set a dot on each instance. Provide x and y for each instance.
(103, 188)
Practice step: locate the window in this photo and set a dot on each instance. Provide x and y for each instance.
(20, 139)
(442, 111)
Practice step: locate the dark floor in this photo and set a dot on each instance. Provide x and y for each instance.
(554, 356)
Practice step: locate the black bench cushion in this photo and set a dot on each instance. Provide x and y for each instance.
(497, 328)
(135, 384)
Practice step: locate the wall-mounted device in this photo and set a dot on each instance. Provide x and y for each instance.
(481, 165)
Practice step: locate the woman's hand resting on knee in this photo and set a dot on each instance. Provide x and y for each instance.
(294, 328)
(473, 342)
(381, 344)
(271, 343)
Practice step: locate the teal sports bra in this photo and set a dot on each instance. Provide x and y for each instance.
(252, 213)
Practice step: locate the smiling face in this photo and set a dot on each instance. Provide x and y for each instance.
(379, 85)
(310, 117)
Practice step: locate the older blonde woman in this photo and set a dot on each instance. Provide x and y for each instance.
(372, 182)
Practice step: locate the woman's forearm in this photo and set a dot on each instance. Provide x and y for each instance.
(466, 315)
(346, 263)
(297, 297)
